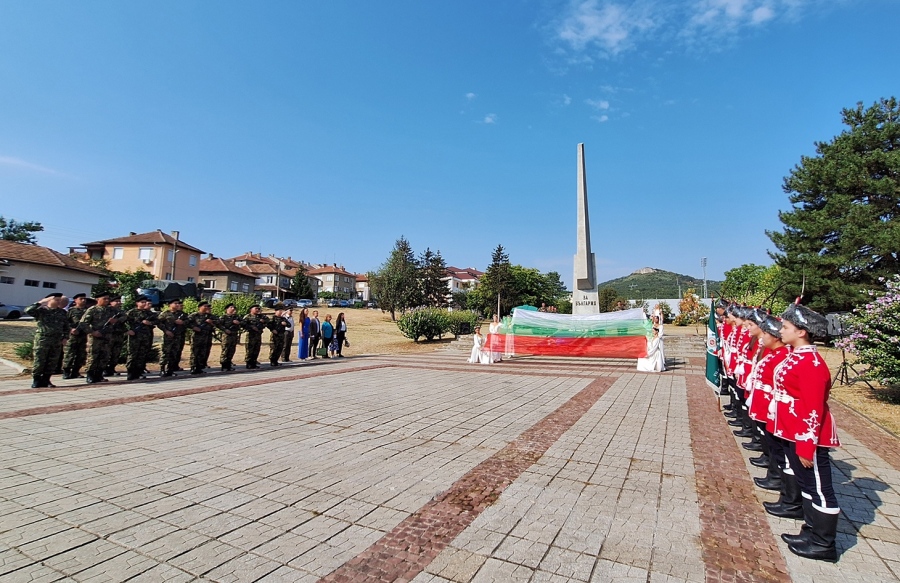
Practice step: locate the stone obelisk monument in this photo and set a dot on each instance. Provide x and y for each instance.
(584, 294)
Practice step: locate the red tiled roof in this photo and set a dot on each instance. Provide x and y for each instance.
(219, 265)
(254, 258)
(26, 253)
(466, 273)
(153, 237)
(329, 269)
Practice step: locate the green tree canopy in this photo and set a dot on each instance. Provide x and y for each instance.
(432, 274)
(843, 232)
(300, 285)
(395, 285)
(755, 285)
(12, 230)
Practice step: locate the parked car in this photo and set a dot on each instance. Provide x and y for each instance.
(334, 303)
(344, 303)
(290, 303)
(268, 302)
(11, 312)
(304, 303)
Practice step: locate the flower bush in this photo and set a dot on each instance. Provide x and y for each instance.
(463, 322)
(874, 333)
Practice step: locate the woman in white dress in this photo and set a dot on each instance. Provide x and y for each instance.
(479, 354)
(494, 328)
(654, 361)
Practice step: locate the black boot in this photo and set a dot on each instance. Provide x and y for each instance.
(90, 378)
(46, 381)
(736, 423)
(753, 445)
(730, 414)
(743, 433)
(805, 530)
(37, 382)
(790, 503)
(760, 462)
(773, 479)
(67, 374)
(819, 545)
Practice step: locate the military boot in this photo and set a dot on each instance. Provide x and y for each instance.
(819, 545)
(805, 530)
(790, 503)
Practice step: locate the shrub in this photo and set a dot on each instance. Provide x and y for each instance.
(428, 322)
(25, 350)
(875, 334)
(462, 322)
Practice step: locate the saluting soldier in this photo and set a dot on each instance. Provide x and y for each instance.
(116, 335)
(276, 325)
(76, 347)
(253, 323)
(173, 324)
(140, 321)
(230, 325)
(52, 331)
(203, 324)
(97, 323)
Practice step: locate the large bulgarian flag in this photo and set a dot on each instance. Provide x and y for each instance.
(610, 335)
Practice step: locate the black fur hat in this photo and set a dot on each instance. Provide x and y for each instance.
(772, 326)
(804, 318)
(758, 315)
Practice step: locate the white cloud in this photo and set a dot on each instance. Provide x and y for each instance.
(490, 118)
(600, 118)
(590, 29)
(600, 104)
(566, 99)
(470, 96)
(19, 163)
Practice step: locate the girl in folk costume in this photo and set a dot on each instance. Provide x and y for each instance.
(748, 357)
(479, 354)
(802, 417)
(737, 342)
(775, 351)
(730, 330)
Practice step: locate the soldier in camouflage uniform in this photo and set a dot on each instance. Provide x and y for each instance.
(230, 325)
(97, 322)
(76, 347)
(52, 332)
(203, 324)
(254, 323)
(173, 324)
(276, 325)
(116, 335)
(140, 321)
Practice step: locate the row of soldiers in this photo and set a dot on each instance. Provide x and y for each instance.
(94, 336)
(778, 385)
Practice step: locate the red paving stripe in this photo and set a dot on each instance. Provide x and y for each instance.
(735, 537)
(404, 552)
(177, 393)
(882, 443)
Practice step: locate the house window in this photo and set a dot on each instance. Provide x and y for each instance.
(269, 279)
(209, 283)
(170, 256)
(145, 253)
(50, 284)
(234, 285)
(118, 252)
(246, 287)
(4, 279)
(327, 278)
(190, 280)
(168, 275)
(193, 261)
(97, 254)
(32, 283)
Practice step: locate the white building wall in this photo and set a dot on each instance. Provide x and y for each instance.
(68, 282)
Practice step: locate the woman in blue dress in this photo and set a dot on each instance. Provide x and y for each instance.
(303, 344)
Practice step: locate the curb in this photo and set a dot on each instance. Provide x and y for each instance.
(14, 365)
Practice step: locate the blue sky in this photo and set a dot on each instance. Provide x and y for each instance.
(454, 124)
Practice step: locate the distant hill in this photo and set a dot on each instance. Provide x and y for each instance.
(657, 283)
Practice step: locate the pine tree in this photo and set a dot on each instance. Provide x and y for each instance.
(300, 285)
(12, 230)
(496, 287)
(843, 232)
(395, 285)
(432, 279)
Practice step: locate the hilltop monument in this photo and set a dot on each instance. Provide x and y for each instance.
(584, 292)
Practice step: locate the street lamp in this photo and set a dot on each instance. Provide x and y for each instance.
(703, 265)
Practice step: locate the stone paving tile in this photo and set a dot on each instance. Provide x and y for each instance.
(290, 482)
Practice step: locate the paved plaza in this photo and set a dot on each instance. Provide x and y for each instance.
(414, 468)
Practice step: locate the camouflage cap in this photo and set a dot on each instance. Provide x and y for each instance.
(805, 319)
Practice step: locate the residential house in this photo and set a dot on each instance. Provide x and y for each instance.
(164, 256)
(274, 275)
(462, 279)
(221, 275)
(30, 272)
(334, 279)
(362, 287)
